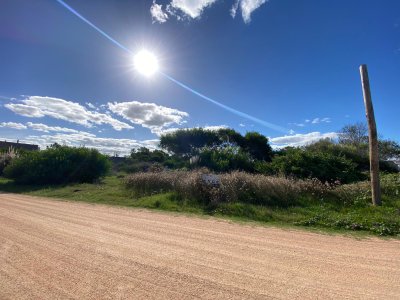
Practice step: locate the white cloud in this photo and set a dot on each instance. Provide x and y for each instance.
(297, 124)
(25, 110)
(248, 7)
(105, 145)
(301, 139)
(37, 107)
(149, 115)
(157, 13)
(242, 125)
(321, 120)
(193, 9)
(12, 125)
(171, 130)
(90, 105)
(46, 128)
(234, 8)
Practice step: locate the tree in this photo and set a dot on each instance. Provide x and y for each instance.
(188, 142)
(354, 134)
(388, 149)
(257, 146)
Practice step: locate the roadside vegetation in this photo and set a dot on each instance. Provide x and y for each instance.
(323, 185)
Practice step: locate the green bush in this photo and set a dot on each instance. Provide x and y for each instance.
(226, 159)
(58, 165)
(325, 166)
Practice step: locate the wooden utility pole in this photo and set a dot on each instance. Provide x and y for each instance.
(373, 137)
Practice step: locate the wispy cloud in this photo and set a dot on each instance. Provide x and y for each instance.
(45, 128)
(247, 7)
(13, 125)
(193, 9)
(149, 115)
(321, 120)
(313, 121)
(301, 139)
(90, 105)
(298, 124)
(37, 107)
(212, 128)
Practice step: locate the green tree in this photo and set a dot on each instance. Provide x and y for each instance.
(257, 146)
(188, 142)
(388, 149)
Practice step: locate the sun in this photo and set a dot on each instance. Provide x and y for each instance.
(145, 63)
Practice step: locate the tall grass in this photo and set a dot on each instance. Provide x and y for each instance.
(233, 187)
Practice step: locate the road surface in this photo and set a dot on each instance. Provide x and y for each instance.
(66, 250)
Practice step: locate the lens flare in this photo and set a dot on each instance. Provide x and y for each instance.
(145, 63)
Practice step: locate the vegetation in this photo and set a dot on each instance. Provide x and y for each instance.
(6, 156)
(265, 198)
(324, 165)
(58, 164)
(328, 207)
(322, 185)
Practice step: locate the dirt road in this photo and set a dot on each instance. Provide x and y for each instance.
(58, 250)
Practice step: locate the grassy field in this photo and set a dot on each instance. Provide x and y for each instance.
(322, 215)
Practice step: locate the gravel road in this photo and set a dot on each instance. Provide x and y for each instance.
(66, 250)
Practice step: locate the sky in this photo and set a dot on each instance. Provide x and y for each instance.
(287, 69)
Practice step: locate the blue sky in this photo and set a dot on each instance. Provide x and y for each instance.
(293, 64)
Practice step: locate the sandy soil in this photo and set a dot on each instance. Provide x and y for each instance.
(63, 250)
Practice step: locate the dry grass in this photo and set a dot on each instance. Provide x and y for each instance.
(233, 187)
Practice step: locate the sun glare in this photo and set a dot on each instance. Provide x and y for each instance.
(145, 63)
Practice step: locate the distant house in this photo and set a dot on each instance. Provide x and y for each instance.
(18, 145)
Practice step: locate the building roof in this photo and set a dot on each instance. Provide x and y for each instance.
(18, 145)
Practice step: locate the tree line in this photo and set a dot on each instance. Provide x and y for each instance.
(224, 150)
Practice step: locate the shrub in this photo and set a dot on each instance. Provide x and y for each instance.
(226, 159)
(324, 166)
(58, 164)
(6, 157)
(233, 187)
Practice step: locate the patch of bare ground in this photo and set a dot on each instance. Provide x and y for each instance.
(58, 250)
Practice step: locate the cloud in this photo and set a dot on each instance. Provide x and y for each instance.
(242, 125)
(321, 120)
(234, 9)
(157, 13)
(90, 105)
(301, 139)
(193, 9)
(37, 107)
(105, 145)
(46, 128)
(149, 115)
(297, 124)
(247, 7)
(13, 125)
(211, 128)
